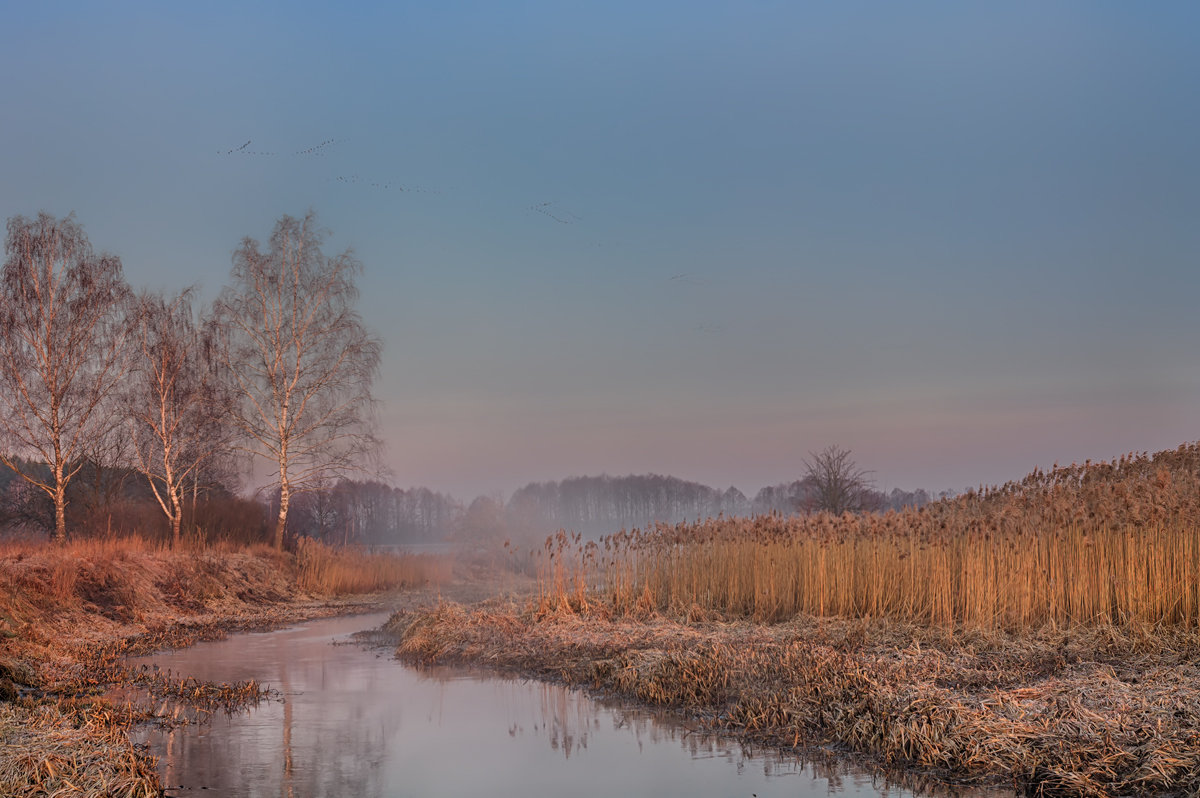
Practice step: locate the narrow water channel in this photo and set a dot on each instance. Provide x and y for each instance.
(355, 722)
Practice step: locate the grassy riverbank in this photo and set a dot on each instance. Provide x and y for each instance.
(1042, 635)
(1063, 712)
(69, 613)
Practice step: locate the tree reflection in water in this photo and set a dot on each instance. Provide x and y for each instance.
(353, 721)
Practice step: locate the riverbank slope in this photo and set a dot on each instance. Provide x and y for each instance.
(69, 614)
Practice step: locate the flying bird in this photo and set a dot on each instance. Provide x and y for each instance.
(362, 181)
(557, 214)
(684, 278)
(316, 149)
(355, 179)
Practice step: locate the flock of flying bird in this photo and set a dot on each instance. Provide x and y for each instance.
(316, 149)
(557, 214)
(550, 209)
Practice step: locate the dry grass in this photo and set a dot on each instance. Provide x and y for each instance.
(331, 570)
(128, 580)
(1099, 544)
(1062, 712)
(69, 614)
(42, 753)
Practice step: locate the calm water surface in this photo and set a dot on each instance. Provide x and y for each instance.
(355, 722)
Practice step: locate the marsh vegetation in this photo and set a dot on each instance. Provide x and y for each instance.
(1099, 544)
(1041, 634)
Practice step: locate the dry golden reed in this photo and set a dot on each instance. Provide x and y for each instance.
(330, 569)
(1113, 543)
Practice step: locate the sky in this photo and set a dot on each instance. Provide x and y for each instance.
(690, 238)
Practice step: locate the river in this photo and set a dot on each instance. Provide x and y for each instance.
(353, 721)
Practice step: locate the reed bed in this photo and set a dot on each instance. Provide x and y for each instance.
(1113, 543)
(332, 570)
(1041, 635)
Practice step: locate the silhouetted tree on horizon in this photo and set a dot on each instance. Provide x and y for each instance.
(839, 485)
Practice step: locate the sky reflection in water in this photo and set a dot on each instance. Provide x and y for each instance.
(356, 722)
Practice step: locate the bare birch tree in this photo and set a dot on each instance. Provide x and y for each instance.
(840, 485)
(300, 358)
(62, 350)
(178, 406)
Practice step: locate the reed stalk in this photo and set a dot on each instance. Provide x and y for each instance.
(1113, 543)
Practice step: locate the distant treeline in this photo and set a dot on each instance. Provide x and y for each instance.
(598, 505)
(117, 501)
(372, 512)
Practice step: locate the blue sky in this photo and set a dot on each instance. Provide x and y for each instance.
(695, 238)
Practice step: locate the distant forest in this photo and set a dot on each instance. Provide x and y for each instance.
(107, 501)
(604, 504)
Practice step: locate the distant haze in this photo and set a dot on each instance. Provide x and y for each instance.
(699, 239)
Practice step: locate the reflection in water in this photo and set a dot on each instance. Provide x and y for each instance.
(353, 721)
(288, 772)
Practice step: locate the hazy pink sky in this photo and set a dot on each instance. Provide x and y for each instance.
(692, 238)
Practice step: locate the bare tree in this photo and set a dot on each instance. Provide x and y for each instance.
(300, 358)
(178, 406)
(101, 484)
(840, 485)
(62, 349)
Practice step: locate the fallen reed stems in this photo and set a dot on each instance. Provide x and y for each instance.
(44, 753)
